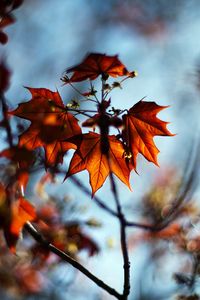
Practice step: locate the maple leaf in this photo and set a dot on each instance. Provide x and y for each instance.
(140, 126)
(96, 64)
(89, 156)
(13, 216)
(23, 159)
(21, 212)
(51, 124)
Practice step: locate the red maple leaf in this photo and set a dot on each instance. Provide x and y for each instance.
(140, 126)
(89, 156)
(51, 124)
(96, 64)
(13, 216)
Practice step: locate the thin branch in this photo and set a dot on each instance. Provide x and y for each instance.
(97, 200)
(189, 184)
(6, 122)
(142, 226)
(194, 272)
(42, 241)
(65, 257)
(104, 129)
(123, 238)
(102, 205)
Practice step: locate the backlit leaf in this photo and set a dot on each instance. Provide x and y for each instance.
(51, 124)
(96, 64)
(140, 126)
(89, 156)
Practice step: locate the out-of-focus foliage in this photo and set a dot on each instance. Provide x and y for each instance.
(173, 237)
(152, 21)
(6, 17)
(29, 271)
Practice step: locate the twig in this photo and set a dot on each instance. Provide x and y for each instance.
(194, 272)
(6, 122)
(65, 257)
(104, 129)
(98, 201)
(42, 241)
(124, 246)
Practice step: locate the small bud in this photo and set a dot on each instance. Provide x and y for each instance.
(93, 223)
(127, 154)
(116, 85)
(73, 104)
(133, 74)
(107, 87)
(65, 79)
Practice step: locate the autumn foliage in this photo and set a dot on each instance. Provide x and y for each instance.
(55, 127)
(48, 233)
(106, 143)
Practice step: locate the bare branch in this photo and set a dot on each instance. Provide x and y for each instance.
(65, 257)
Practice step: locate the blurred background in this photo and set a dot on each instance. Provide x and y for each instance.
(160, 40)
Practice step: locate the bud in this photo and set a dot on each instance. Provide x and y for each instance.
(116, 84)
(107, 87)
(93, 223)
(133, 74)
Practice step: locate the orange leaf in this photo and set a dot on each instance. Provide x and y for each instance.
(43, 102)
(141, 125)
(51, 124)
(21, 212)
(96, 64)
(89, 156)
(13, 216)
